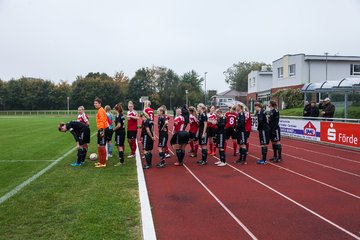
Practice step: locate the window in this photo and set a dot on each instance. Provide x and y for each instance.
(253, 82)
(250, 82)
(292, 70)
(280, 72)
(354, 69)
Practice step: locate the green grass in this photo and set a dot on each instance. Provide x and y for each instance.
(66, 202)
(353, 112)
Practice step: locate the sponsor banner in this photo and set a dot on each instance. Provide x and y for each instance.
(300, 128)
(347, 134)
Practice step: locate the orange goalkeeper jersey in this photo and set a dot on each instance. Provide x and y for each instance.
(101, 119)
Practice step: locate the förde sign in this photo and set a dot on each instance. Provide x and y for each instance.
(340, 133)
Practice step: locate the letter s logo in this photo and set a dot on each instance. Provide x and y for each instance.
(331, 133)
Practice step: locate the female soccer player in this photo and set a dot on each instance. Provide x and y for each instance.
(148, 110)
(275, 131)
(194, 125)
(133, 118)
(201, 134)
(230, 127)
(263, 129)
(82, 116)
(102, 126)
(110, 131)
(147, 134)
(163, 136)
(179, 141)
(119, 130)
(241, 134)
(81, 133)
(178, 122)
(220, 137)
(211, 130)
(167, 152)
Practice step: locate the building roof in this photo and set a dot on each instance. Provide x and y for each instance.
(231, 93)
(323, 57)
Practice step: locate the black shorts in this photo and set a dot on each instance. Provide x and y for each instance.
(101, 140)
(108, 134)
(211, 132)
(220, 140)
(131, 134)
(202, 140)
(264, 137)
(230, 132)
(275, 135)
(148, 143)
(247, 134)
(84, 137)
(242, 138)
(193, 136)
(120, 138)
(180, 138)
(163, 138)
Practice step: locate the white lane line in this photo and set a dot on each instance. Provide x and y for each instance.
(13, 161)
(316, 163)
(312, 179)
(325, 154)
(34, 177)
(148, 229)
(220, 202)
(296, 203)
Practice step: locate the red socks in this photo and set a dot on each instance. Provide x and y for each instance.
(167, 149)
(247, 146)
(192, 146)
(210, 147)
(102, 155)
(196, 147)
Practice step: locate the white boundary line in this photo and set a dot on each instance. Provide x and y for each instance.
(13, 161)
(221, 203)
(34, 177)
(147, 223)
(296, 203)
(310, 178)
(316, 163)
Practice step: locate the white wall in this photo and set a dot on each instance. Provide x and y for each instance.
(263, 81)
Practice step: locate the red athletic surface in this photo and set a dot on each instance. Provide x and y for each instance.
(325, 180)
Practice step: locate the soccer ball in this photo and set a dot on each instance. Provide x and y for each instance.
(93, 157)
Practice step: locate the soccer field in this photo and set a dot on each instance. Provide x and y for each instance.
(65, 202)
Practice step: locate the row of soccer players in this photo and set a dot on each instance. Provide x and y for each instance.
(202, 126)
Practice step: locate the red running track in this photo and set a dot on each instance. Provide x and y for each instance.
(313, 194)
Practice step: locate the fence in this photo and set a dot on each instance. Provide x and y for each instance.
(44, 113)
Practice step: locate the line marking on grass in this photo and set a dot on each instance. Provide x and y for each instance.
(147, 223)
(34, 177)
(13, 161)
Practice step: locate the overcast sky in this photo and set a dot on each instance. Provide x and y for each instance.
(60, 39)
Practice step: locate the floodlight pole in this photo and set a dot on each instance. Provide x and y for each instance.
(68, 105)
(205, 88)
(326, 65)
(187, 100)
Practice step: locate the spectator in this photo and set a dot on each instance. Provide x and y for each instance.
(328, 109)
(314, 111)
(321, 104)
(307, 108)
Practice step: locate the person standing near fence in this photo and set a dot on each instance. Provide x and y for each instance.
(307, 109)
(263, 129)
(275, 131)
(314, 110)
(110, 131)
(328, 109)
(102, 126)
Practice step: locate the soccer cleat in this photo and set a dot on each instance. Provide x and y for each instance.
(178, 164)
(212, 153)
(131, 156)
(198, 162)
(167, 155)
(218, 162)
(202, 163)
(261, 162)
(273, 159)
(191, 151)
(147, 166)
(160, 165)
(118, 164)
(193, 155)
(100, 165)
(222, 164)
(75, 164)
(278, 160)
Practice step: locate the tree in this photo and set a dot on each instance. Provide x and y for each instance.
(59, 94)
(237, 75)
(142, 84)
(192, 82)
(292, 98)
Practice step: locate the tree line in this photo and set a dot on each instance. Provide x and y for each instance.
(160, 84)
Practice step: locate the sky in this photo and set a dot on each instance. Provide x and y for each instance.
(61, 39)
